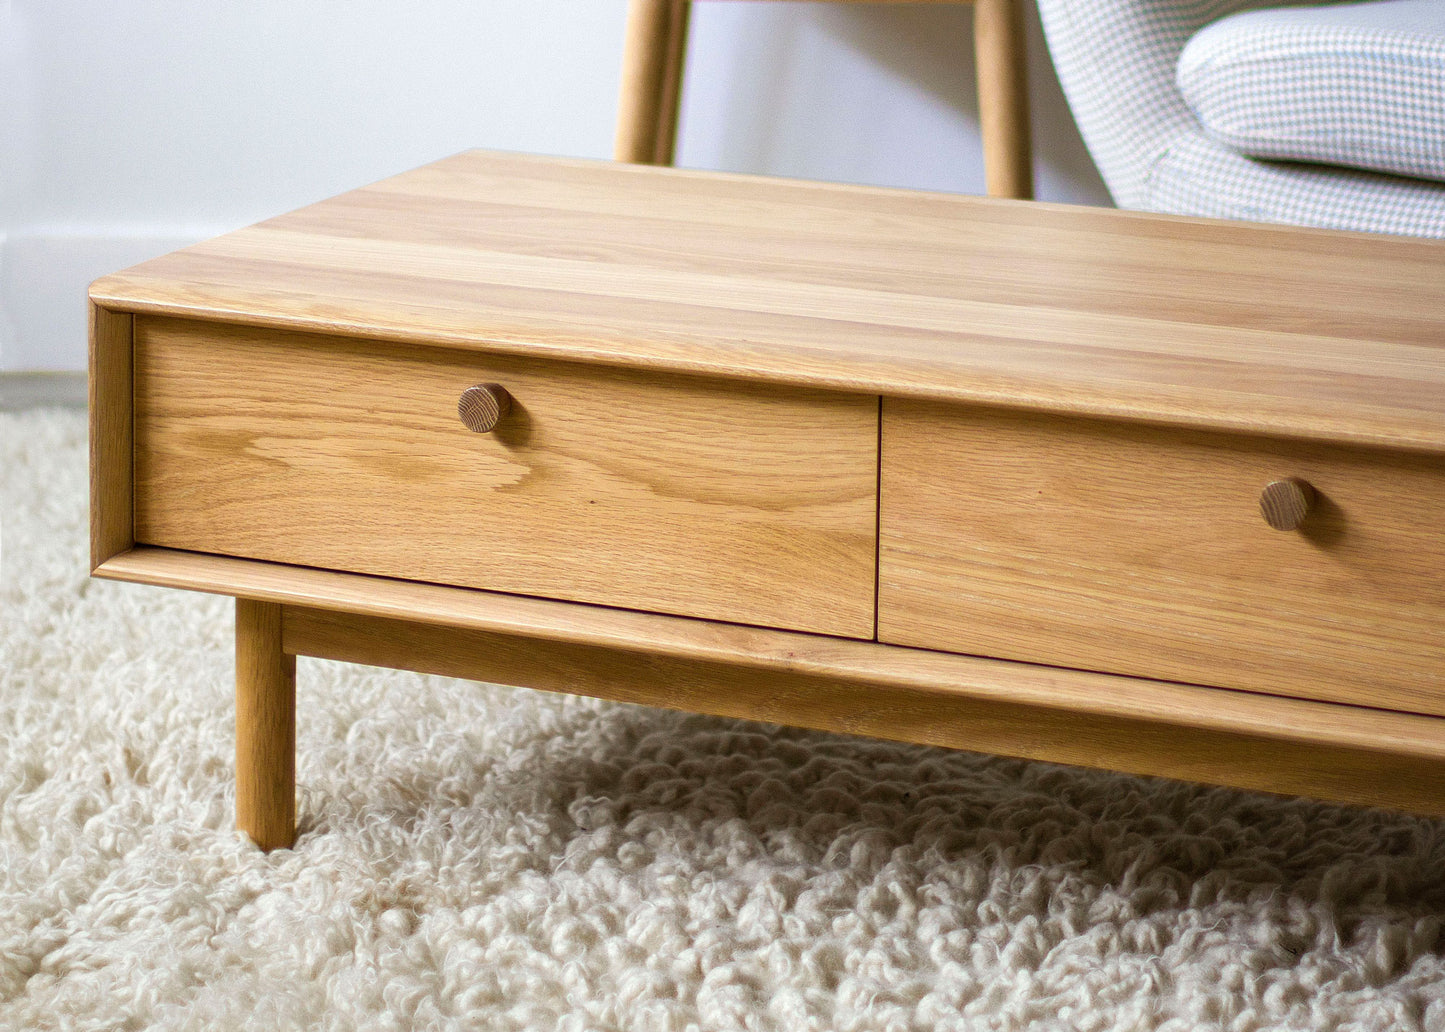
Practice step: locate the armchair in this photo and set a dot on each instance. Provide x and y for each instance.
(1117, 61)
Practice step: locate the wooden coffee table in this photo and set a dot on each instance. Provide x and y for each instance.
(982, 474)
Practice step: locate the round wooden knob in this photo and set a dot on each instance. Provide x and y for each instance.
(483, 406)
(1286, 503)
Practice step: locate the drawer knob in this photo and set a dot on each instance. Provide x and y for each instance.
(1286, 503)
(483, 406)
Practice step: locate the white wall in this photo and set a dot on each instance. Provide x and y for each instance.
(128, 129)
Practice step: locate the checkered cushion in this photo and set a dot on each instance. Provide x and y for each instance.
(1200, 176)
(1357, 84)
(1117, 59)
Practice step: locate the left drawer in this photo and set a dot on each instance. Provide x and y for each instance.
(670, 493)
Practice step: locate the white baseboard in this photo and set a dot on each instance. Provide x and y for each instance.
(20, 391)
(43, 279)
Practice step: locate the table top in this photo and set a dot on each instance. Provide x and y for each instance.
(1236, 326)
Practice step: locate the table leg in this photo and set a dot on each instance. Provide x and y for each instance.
(265, 727)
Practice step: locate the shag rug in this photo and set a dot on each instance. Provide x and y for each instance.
(483, 857)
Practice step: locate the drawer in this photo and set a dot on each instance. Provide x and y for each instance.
(1143, 551)
(676, 494)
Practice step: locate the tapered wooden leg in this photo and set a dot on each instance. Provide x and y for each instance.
(265, 727)
(652, 59)
(1003, 98)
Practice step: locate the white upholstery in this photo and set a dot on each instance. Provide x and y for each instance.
(1117, 61)
(1358, 84)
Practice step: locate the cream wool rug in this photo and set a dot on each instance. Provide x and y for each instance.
(479, 857)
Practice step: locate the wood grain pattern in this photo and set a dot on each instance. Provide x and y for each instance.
(265, 727)
(1330, 336)
(859, 706)
(748, 503)
(111, 434)
(482, 406)
(1284, 504)
(1126, 699)
(1091, 545)
(666, 335)
(1331, 751)
(653, 51)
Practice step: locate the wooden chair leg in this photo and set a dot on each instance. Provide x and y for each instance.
(1003, 100)
(265, 727)
(652, 59)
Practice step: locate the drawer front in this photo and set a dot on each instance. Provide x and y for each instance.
(674, 494)
(1143, 551)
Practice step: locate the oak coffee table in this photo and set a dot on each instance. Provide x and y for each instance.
(1106, 488)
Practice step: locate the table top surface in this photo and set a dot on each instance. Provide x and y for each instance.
(1236, 326)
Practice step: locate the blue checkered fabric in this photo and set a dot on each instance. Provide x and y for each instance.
(1117, 61)
(1355, 84)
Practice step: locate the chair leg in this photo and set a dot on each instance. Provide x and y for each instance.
(652, 60)
(1003, 100)
(265, 727)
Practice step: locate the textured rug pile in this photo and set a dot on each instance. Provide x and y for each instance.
(482, 857)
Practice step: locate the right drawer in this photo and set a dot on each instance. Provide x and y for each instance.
(1135, 550)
